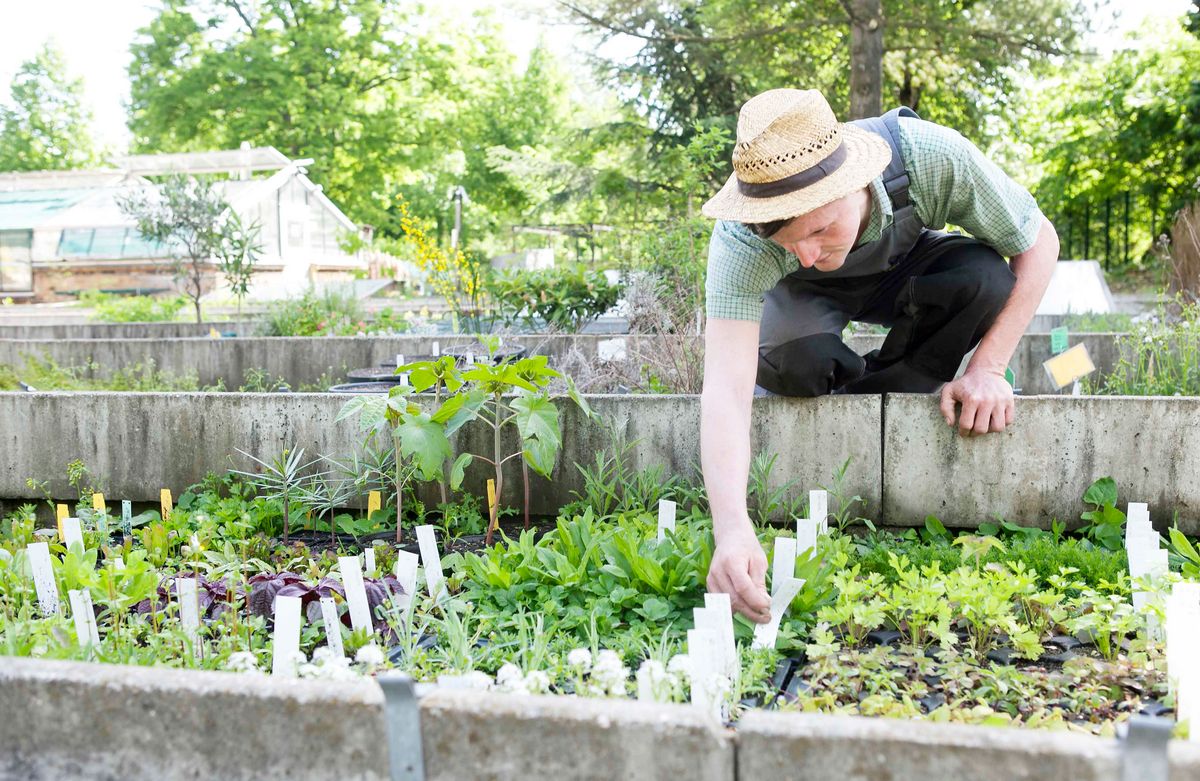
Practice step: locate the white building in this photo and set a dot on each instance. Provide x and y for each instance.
(62, 231)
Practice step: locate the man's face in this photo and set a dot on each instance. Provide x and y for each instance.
(823, 238)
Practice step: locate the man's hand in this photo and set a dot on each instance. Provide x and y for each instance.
(739, 569)
(986, 399)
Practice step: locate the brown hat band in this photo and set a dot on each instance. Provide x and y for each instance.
(797, 181)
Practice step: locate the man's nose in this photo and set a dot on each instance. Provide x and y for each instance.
(807, 254)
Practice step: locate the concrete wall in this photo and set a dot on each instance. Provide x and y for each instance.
(106, 722)
(1039, 468)
(141, 442)
(305, 360)
(145, 331)
(905, 461)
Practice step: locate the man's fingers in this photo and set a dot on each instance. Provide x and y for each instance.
(983, 418)
(966, 422)
(753, 597)
(997, 420)
(1010, 412)
(948, 404)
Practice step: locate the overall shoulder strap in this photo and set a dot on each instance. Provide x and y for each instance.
(895, 181)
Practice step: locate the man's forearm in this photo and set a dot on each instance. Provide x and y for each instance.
(725, 458)
(1033, 268)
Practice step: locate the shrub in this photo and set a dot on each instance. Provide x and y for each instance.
(568, 298)
(110, 308)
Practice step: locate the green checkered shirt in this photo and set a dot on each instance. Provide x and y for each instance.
(950, 181)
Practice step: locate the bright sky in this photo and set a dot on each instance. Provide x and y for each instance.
(95, 37)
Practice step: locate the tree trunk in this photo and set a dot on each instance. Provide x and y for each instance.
(866, 57)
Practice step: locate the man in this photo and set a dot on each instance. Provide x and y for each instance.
(822, 223)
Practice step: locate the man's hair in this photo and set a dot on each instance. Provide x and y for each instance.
(765, 230)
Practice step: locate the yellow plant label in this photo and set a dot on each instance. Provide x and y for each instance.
(373, 503)
(1069, 366)
(60, 512)
(491, 489)
(164, 496)
(98, 503)
(214, 333)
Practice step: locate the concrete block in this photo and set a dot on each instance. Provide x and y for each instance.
(138, 443)
(816, 747)
(479, 735)
(117, 723)
(1038, 469)
(96, 722)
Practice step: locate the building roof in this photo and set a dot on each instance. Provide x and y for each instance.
(27, 209)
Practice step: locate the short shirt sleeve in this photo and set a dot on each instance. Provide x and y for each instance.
(953, 182)
(742, 267)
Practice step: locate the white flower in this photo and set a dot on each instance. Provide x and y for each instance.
(370, 655)
(509, 678)
(680, 664)
(609, 673)
(242, 662)
(580, 659)
(477, 680)
(537, 682)
(324, 654)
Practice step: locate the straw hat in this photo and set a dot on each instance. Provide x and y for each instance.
(792, 156)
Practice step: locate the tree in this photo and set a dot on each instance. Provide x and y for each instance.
(1128, 124)
(46, 127)
(390, 100)
(702, 58)
(191, 220)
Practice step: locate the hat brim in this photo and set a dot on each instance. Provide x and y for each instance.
(867, 155)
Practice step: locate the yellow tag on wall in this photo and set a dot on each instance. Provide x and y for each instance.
(98, 503)
(1069, 366)
(164, 497)
(214, 333)
(60, 512)
(373, 503)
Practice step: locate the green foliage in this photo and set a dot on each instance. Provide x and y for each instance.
(1104, 524)
(564, 297)
(331, 312)
(387, 98)
(1159, 357)
(47, 125)
(110, 308)
(1123, 124)
(45, 374)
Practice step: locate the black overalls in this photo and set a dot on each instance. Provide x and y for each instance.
(939, 292)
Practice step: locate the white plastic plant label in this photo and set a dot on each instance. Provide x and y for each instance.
(356, 593)
(611, 350)
(818, 509)
(766, 634)
(369, 561)
(720, 607)
(704, 656)
(806, 535)
(189, 609)
(333, 626)
(406, 573)
(437, 349)
(432, 559)
(43, 577)
(72, 533)
(285, 643)
(126, 518)
(1137, 513)
(645, 685)
(666, 518)
(400, 359)
(85, 617)
(783, 562)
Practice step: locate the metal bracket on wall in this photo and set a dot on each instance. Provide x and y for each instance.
(1144, 749)
(402, 714)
